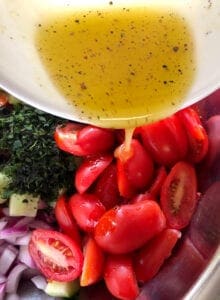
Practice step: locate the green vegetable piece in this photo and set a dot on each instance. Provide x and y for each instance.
(62, 289)
(4, 183)
(23, 205)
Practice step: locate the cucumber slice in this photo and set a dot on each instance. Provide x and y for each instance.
(62, 289)
(23, 205)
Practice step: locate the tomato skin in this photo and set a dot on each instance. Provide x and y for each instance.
(107, 187)
(134, 169)
(165, 140)
(93, 264)
(178, 195)
(89, 171)
(151, 257)
(56, 255)
(83, 140)
(128, 227)
(65, 219)
(120, 278)
(87, 210)
(197, 136)
(155, 188)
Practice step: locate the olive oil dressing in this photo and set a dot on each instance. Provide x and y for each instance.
(120, 67)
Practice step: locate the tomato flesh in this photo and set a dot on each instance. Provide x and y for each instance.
(93, 263)
(56, 255)
(178, 195)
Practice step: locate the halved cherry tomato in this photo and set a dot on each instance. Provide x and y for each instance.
(65, 219)
(135, 169)
(93, 264)
(56, 255)
(151, 257)
(3, 99)
(128, 227)
(142, 197)
(87, 210)
(107, 187)
(197, 136)
(178, 195)
(120, 278)
(84, 140)
(155, 188)
(165, 140)
(89, 171)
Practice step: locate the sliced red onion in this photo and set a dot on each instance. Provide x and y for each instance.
(5, 211)
(40, 282)
(12, 233)
(24, 257)
(23, 240)
(39, 224)
(14, 277)
(12, 297)
(2, 279)
(23, 222)
(3, 223)
(41, 204)
(2, 291)
(7, 258)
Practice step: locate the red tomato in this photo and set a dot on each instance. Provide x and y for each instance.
(120, 278)
(197, 136)
(165, 140)
(84, 140)
(135, 169)
(128, 227)
(107, 187)
(65, 219)
(89, 171)
(178, 195)
(56, 255)
(87, 210)
(155, 188)
(151, 257)
(3, 99)
(93, 263)
(142, 197)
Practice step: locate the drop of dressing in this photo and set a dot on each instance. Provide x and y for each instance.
(119, 67)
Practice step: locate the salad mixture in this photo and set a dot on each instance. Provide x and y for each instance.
(87, 213)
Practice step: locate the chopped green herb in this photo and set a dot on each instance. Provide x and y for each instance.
(29, 156)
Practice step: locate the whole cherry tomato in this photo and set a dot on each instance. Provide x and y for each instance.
(197, 136)
(89, 171)
(87, 210)
(178, 195)
(151, 257)
(165, 140)
(135, 169)
(84, 140)
(57, 256)
(65, 219)
(120, 278)
(128, 227)
(93, 263)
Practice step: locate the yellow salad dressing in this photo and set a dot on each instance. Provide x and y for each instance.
(120, 67)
